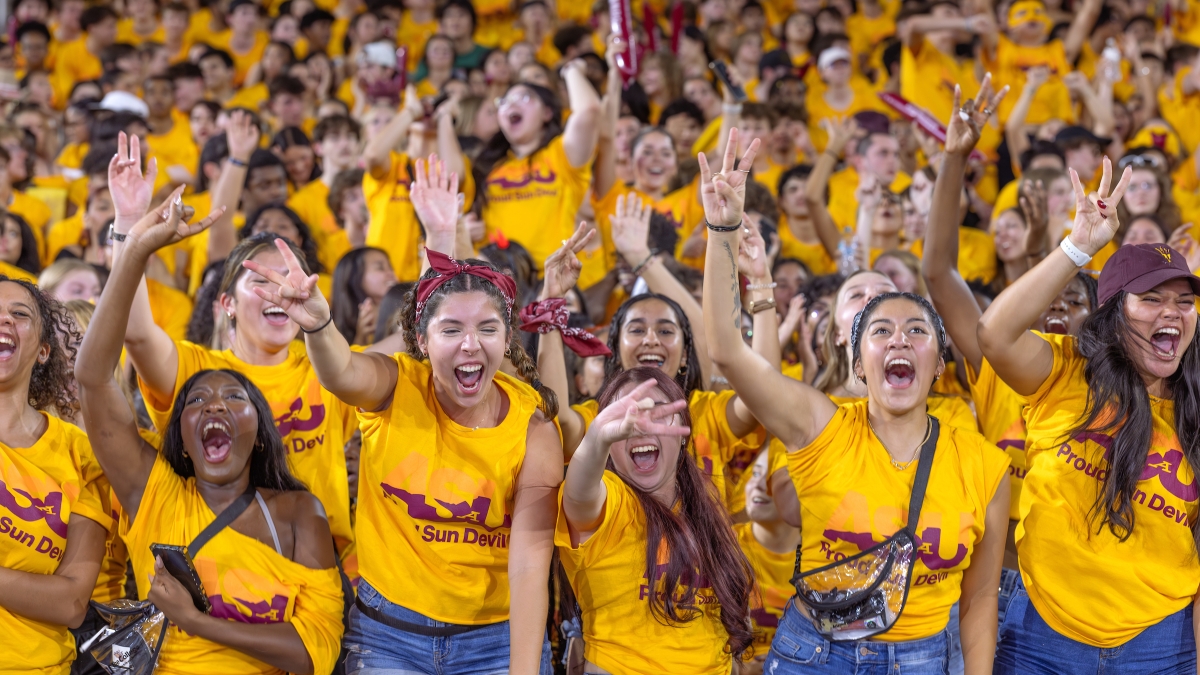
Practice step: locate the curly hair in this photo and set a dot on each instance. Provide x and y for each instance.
(467, 283)
(50, 382)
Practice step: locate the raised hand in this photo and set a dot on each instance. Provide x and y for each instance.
(636, 414)
(1183, 241)
(563, 267)
(1036, 77)
(631, 228)
(131, 191)
(164, 225)
(368, 317)
(724, 193)
(296, 293)
(841, 133)
(434, 196)
(1096, 220)
(752, 255)
(1032, 198)
(793, 319)
(966, 123)
(242, 134)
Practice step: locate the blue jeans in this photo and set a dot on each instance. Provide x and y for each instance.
(957, 665)
(1010, 580)
(1028, 646)
(799, 650)
(378, 649)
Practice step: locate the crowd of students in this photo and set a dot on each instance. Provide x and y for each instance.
(473, 337)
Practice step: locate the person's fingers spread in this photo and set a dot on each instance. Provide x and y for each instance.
(730, 151)
(269, 297)
(980, 96)
(453, 182)
(122, 145)
(1105, 177)
(751, 154)
(957, 97)
(705, 172)
(1080, 195)
(1118, 192)
(265, 272)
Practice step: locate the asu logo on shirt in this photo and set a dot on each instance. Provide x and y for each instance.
(855, 522)
(446, 495)
(1164, 463)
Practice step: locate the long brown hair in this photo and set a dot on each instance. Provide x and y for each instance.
(698, 537)
(467, 283)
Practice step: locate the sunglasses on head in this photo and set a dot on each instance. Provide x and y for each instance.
(1138, 162)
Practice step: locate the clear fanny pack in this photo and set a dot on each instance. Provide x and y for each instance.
(132, 640)
(864, 595)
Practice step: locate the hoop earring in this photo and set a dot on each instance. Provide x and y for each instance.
(683, 369)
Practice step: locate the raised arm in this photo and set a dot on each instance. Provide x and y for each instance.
(112, 427)
(579, 136)
(150, 349)
(1020, 358)
(631, 416)
(562, 271)
(242, 134)
(447, 139)
(1081, 28)
(604, 170)
(630, 235)
(363, 380)
(1141, 79)
(793, 411)
(950, 294)
(378, 153)
(815, 189)
(1014, 128)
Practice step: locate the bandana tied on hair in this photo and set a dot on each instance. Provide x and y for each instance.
(447, 268)
(552, 314)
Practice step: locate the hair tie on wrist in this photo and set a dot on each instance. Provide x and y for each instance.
(237, 162)
(550, 315)
(320, 328)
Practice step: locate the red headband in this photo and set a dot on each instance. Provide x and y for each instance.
(447, 268)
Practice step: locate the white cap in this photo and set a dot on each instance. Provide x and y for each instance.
(123, 101)
(382, 53)
(831, 56)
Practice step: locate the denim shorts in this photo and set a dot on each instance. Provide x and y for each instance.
(1029, 646)
(799, 650)
(378, 649)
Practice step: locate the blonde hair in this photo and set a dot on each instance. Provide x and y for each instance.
(912, 262)
(53, 275)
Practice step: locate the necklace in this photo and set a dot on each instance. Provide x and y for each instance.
(902, 466)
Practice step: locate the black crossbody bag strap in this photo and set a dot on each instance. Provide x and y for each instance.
(223, 520)
(924, 467)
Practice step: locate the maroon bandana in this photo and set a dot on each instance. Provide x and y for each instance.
(447, 268)
(552, 314)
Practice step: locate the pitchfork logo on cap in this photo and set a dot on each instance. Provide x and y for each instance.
(1164, 252)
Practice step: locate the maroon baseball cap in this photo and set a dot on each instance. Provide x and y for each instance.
(1139, 268)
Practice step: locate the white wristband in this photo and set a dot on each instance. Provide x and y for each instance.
(1078, 257)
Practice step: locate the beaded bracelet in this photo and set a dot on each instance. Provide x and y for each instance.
(721, 228)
